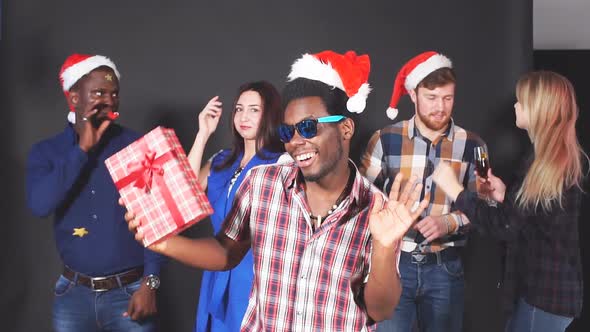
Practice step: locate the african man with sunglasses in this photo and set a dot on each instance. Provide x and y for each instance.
(322, 237)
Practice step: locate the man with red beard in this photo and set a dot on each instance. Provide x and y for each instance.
(109, 281)
(430, 265)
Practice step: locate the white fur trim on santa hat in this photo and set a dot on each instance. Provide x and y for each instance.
(72, 117)
(72, 74)
(392, 113)
(422, 70)
(310, 67)
(358, 102)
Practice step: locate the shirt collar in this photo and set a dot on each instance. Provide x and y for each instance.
(414, 132)
(296, 176)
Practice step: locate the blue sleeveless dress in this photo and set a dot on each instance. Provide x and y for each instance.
(223, 298)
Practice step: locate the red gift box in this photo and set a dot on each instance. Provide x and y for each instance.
(158, 184)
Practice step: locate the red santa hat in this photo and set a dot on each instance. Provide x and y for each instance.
(75, 67)
(412, 73)
(348, 72)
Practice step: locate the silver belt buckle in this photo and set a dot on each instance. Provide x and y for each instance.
(92, 280)
(418, 257)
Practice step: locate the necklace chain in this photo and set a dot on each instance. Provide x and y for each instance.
(338, 201)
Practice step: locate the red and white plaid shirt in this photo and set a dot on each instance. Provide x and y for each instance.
(304, 280)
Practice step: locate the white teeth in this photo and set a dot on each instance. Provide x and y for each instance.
(304, 156)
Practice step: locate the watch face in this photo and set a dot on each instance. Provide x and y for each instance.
(153, 282)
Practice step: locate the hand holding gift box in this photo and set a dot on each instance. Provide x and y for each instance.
(157, 183)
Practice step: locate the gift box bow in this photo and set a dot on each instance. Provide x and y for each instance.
(142, 172)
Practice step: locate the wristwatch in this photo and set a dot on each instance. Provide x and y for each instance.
(152, 281)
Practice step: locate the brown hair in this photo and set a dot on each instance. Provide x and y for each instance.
(267, 136)
(438, 78)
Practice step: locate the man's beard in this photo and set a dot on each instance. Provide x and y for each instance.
(430, 124)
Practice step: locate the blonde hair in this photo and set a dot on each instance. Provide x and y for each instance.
(550, 102)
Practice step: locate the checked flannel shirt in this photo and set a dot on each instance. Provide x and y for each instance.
(401, 148)
(304, 279)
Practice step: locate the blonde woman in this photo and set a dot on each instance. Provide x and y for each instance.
(537, 216)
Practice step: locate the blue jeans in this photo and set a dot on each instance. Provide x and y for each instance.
(77, 308)
(432, 296)
(532, 319)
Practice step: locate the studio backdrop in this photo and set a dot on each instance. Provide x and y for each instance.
(175, 55)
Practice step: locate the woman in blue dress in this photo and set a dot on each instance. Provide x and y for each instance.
(255, 117)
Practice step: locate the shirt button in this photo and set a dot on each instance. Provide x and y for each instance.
(92, 192)
(94, 216)
(298, 313)
(302, 277)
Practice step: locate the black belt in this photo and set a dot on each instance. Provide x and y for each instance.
(101, 284)
(416, 257)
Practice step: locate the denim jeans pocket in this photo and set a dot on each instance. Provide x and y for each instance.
(62, 286)
(132, 287)
(453, 267)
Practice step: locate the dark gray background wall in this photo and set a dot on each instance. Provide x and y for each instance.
(175, 55)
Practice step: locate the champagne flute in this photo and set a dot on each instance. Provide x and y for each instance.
(482, 162)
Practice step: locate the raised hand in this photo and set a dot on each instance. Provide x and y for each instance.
(390, 221)
(209, 117)
(89, 135)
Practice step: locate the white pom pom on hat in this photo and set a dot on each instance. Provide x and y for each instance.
(392, 113)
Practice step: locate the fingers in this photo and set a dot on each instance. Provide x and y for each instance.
(129, 217)
(413, 196)
(403, 214)
(482, 180)
(394, 192)
(377, 204)
(491, 175)
(214, 104)
(430, 235)
(130, 309)
(212, 111)
(421, 207)
(133, 223)
(139, 236)
(214, 100)
(428, 228)
(136, 315)
(408, 189)
(90, 114)
(103, 126)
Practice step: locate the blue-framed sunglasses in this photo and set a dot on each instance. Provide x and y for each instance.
(307, 128)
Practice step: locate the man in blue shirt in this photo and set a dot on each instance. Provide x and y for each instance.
(109, 280)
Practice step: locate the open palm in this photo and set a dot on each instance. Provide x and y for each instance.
(389, 221)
